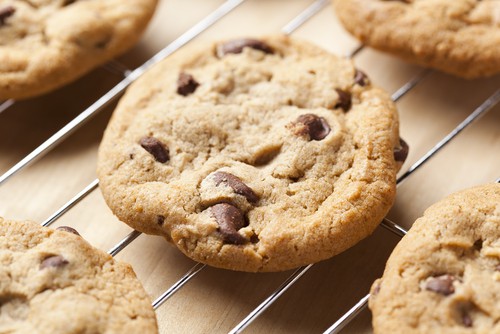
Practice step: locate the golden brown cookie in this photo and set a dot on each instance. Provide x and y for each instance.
(461, 37)
(253, 155)
(444, 275)
(45, 44)
(54, 282)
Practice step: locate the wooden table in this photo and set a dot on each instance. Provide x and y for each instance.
(216, 300)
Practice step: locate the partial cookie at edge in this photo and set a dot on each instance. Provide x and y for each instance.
(46, 46)
(444, 275)
(460, 37)
(53, 281)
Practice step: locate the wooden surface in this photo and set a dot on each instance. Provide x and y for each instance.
(216, 300)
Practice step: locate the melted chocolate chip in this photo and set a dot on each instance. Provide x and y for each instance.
(376, 289)
(230, 220)
(316, 127)
(68, 229)
(160, 220)
(5, 13)
(345, 100)
(311, 125)
(236, 184)
(186, 84)
(478, 245)
(55, 261)
(466, 319)
(361, 78)
(441, 284)
(237, 46)
(155, 148)
(401, 152)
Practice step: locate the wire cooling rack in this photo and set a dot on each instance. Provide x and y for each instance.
(128, 76)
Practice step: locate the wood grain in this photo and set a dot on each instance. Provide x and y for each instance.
(216, 300)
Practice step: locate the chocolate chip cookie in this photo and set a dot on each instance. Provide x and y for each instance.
(252, 154)
(45, 44)
(460, 37)
(444, 275)
(54, 282)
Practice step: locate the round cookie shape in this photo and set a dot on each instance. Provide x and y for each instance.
(252, 154)
(45, 44)
(54, 282)
(444, 275)
(460, 37)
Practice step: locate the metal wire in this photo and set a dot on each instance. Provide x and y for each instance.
(177, 285)
(393, 227)
(304, 16)
(117, 90)
(347, 317)
(117, 68)
(410, 85)
(124, 243)
(354, 52)
(71, 203)
(271, 299)
(480, 111)
(5, 105)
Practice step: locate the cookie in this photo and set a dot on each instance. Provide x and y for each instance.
(45, 44)
(252, 154)
(444, 275)
(53, 281)
(460, 37)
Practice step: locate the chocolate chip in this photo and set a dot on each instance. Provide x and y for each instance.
(55, 261)
(236, 184)
(441, 284)
(5, 13)
(237, 46)
(160, 220)
(68, 2)
(155, 148)
(186, 84)
(376, 289)
(103, 43)
(361, 78)
(478, 245)
(466, 319)
(313, 126)
(345, 100)
(230, 220)
(401, 152)
(68, 229)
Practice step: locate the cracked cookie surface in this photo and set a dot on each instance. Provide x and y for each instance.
(444, 275)
(252, 155)
(45, 44)
(461, 37)
(54, 282)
